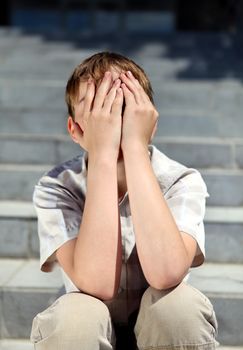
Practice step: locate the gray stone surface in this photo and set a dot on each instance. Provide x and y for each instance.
(27, 152)
(22, 149)
(67, 150)
(20, 307)
(194, 152)
(8, 269)
(17, 238)
(219, 279)
(239, 155)
(198, 155)
(182, 94)
(223, 285)
(30, 276)
(224, 188)
(17, 210)
(19, 344)
(18, 183)
(227, 215)
(224, 242)
(229, 313)
(191, 123)
(25, 292)
(28, 95)
(39, 121)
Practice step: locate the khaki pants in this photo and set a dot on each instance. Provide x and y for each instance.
(177, 318)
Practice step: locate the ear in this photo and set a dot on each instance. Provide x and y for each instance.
(74, 130)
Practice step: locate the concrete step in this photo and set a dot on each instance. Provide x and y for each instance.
(17, 183)
(24, 344)
(26, 289)
(46, 113)
(19, 238)
(222, 98)
(18, 344)
(34, 121)
(53, 149)
(182, 121)
(223, 284)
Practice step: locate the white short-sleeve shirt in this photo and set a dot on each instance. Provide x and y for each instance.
(59, 199)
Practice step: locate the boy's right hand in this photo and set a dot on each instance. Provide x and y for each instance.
(101, 118)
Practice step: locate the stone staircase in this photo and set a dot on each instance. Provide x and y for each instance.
(201, 125)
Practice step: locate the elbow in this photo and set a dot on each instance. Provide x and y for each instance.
(103, 295)
(107, 295)
(101, 292)
(166, 282)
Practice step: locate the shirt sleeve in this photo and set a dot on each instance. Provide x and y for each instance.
(59, 216)
(186, 199)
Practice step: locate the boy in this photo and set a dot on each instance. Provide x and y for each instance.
(123, 221)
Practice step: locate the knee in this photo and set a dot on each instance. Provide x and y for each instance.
(180, 304)
(182, 310)
(82, 310)
(74, 315)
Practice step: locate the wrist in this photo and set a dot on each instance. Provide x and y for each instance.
(134, 146)
(103, 158)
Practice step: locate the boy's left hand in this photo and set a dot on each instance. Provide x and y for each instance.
(140, 116)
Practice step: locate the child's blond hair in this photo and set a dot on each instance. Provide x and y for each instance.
(95, 67)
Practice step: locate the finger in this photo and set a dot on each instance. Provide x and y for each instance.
(143, 94)
(129, 96)
(130, 83)
(111, 95)
(88, 100)
(116, 108)
(102, 91)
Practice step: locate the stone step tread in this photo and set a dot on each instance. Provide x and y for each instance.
(198, 153)
(45, 167)
(25, 344)
(160, 139)
(19, 344)
(17, 182)
(25, 274)
(24, 209)
(221, 280)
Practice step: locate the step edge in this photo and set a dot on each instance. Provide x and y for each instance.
(25, 209)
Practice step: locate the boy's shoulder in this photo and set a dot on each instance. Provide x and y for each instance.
(76, 165)
(69, 176)
(169, 171)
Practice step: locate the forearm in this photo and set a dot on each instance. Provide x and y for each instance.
(160, 247)
(98, 248)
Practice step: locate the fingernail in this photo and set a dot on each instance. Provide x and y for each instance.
(107, 74)
(129, 73)
(90, 80)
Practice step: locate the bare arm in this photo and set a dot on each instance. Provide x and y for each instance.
(165, 253)
(93, 260)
